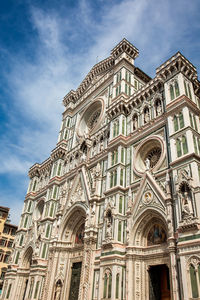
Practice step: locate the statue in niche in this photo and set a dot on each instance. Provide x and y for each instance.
(96, 174)
(186, 210)
(158, 108)
(146, 115)
(109, 225)
(63, 192)
(58, 290)
(135, 123)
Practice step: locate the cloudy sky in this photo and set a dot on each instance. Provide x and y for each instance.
(47, 47)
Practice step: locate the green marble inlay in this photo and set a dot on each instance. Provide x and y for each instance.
(190, 237)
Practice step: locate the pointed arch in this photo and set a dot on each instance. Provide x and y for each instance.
(144, 222)
(27, 257)
(71, 220)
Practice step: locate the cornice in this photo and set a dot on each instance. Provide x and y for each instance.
(58, 152)
(177, 63)
(125, 46)
(39, 169)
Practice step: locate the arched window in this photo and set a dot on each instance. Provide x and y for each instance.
(107, 290)
(121, 177)
(123, 126)
(119, 231)
(181, 120)
(177, 91)
(184, 144)
(120, 204)
(117, 127)
(115, 177)
(31, 288)
(122, 154)
(109, 286)
(178, 148)
(47, 231)
(175, 123)
(105, 285)
(117, 286)
(114, 129)
(193, 279)
(172, 96)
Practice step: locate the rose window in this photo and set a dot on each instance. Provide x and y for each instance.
(153, 155)
(93, 119)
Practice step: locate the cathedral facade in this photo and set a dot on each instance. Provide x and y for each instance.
(114, 212)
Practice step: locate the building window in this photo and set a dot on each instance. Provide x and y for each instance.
(47, 231)
(174, 90)
(118, 90)
(120, 204)
(8, 292)
(122, 177)
(119, 76)
(21, 240)
(123, 126)
(178, 121)
(122, 155)
(119, 231)
(117, 286)
(26, 221)
(31, 288)
(193, 122)
(34, 186)
(172, 96)
(181, 146)
(44, 251)
(193, 279)
(128, 76)
(116, 128)
(114, 157)
(17, 258)
(107, 285)
(187, 89)
(36, 289)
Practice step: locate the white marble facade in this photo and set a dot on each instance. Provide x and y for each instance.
(114, 212)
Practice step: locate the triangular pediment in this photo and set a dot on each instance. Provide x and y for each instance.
(149, 196)
(79, 189)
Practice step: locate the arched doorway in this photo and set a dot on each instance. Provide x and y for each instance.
(151, 257)
(73, 233)
(26, 264)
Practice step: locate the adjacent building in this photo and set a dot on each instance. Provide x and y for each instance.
(114, 212)
(7, 235)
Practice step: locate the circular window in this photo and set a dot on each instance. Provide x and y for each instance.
(153, 155)
(91, 118)
(149, 155)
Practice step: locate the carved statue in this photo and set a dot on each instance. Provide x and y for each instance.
(135, 123)
(146, 116)
(158, 108)
(186, 210)
(58, 291)
(109, 229)
(147, 163)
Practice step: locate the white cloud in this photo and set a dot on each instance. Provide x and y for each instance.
(65, 47)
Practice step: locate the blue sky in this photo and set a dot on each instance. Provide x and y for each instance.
(47, 47)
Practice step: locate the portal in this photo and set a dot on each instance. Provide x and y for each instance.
(75, 281)
(159, 285)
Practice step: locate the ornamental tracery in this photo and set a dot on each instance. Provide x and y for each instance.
(93, 119)
(153, 155)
